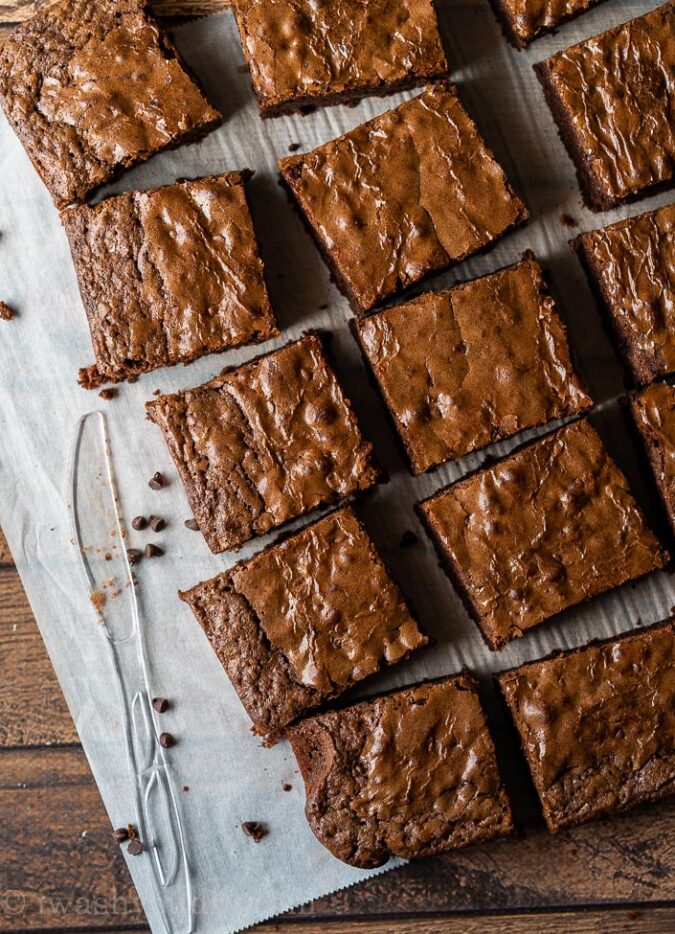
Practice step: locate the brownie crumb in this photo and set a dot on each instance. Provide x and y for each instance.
(192, 525)
(568, 221)
(132, 832)
(408, 539)
(153, 551)
(185, 788)
(293, 147)
(97, 600)
(139, 523)
(156, 482)
(135, 848)
(107, 394)
(157, 524)
(167, 740)
(160, 704)
(254, 830)
(6, 313)
(287, 787)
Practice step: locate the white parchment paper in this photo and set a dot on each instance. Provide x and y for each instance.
(231, 777)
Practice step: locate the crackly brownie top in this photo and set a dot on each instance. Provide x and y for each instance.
(92, 86)
(326, 615)
(405, 774)
(264, 443)
(541, 530)
(654, 413)
(326, 602)
(169, 274)
(633, 264)
(457, 378)
(618, 93)
(598, 724)
(404, 194)
(528, 18)
(300, 49)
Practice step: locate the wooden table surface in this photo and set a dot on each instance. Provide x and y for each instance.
(61, 871)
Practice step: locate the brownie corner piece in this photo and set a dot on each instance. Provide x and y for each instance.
(584, 764)
(410, 773)
(302, 54)
(653, 412)
(630, 266)
(628, 150)
(265, 443)
(402, 196)
(304, 620)
(168, 275)
(430, 358)
(541, 530)
(92, 87)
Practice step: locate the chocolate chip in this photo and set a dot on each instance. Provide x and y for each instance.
(153, 551)
(157, 524)
(107, 394)
(167, 740)
(293, 147)
(287, 787)
(254, 830)
(160, 704)
(135, 848)
(121, 834)
(408, 539)
(192, 525)
(139, 523)
(156, 482)
(134, 555)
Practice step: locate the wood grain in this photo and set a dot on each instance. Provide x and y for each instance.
(32, 708)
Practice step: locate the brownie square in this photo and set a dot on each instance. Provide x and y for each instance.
(597, 724)
(653, 412)
(524, 20)
(168, 275)
(92, 87)
(631, 267)
(456, 379)
(264, 443)
(402, 196)
(411, 773)
(540, 531)
(612, 98)
(304, 620)
(302, 53)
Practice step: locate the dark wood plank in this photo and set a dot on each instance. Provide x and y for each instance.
(59, 861)
(32, 708)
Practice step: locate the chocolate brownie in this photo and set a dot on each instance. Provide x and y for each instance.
(631, 266)
(541, 530)
(304, 53)
(264, 443)
(92, 87)
(524, 20)
(455, 378)
(168, 275)
(402, 196)
(304, 620)
(653, 411)
(613, 98)
(411, 773)
(597, 724)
